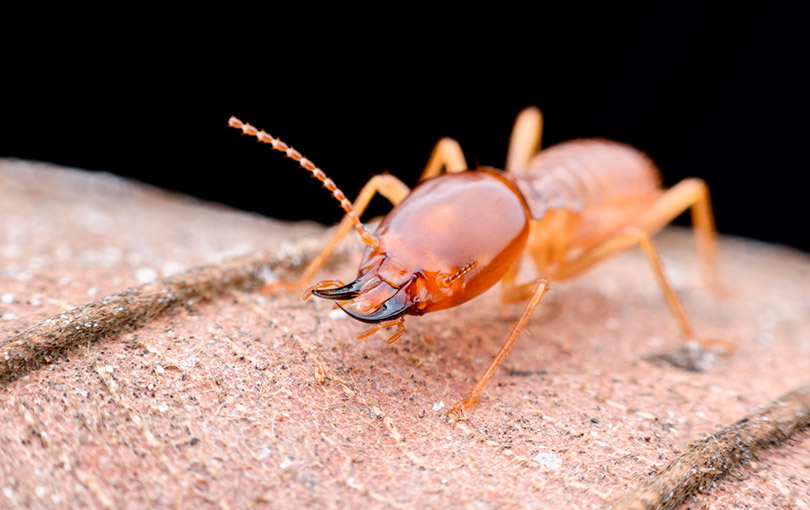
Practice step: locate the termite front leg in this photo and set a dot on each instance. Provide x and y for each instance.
(388, 186)
(399, 323)
(540, 288)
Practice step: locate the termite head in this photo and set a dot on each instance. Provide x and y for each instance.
(372, 297)
(451, 239)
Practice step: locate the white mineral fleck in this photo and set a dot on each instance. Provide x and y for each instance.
(438, 405)
(109, 369)
(267, 275)
(93, 220)
(550, 460)
(24, 275)
(171, 268)
(7, 298)
(90, 257)
(134, 258)
(11, 251)
(63, 252)
(146, 275)
(39, 261)
(337, 314)
(110, 255)
(8, 493)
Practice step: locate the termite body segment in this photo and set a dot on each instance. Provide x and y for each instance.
(457, 235)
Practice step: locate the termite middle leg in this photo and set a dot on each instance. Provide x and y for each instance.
(525, 140)
(540, 288)
(446, 155)
(547, 244)
(512, 292)
(388, 186)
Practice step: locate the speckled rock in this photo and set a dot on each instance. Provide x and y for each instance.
(267, 401)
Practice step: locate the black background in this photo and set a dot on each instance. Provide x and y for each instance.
(710, 92)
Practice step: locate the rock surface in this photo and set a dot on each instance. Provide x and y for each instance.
(248, 400)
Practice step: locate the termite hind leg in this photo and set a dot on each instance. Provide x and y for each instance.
(524, 143)
(447, 155)
(388, 186)
(622, 241)
(688, 194)
(540, 288)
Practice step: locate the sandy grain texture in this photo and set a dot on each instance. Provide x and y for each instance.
(244, 400)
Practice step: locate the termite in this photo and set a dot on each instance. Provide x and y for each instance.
(458, 233)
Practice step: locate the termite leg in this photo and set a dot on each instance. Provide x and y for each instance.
(447, 155)
(524, 143)
(388, 186)
(627, 238)
(399, 323)
(694, 194)
(540, 288)
(547, 243)
(631, 237)
(512, 292)
(321, 285)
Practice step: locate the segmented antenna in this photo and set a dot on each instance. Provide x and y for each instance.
(316, 172)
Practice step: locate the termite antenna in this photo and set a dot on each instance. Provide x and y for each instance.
(316, 172)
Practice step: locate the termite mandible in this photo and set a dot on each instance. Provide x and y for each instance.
(457, 234)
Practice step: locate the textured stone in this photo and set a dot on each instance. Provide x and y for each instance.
(245, 399)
